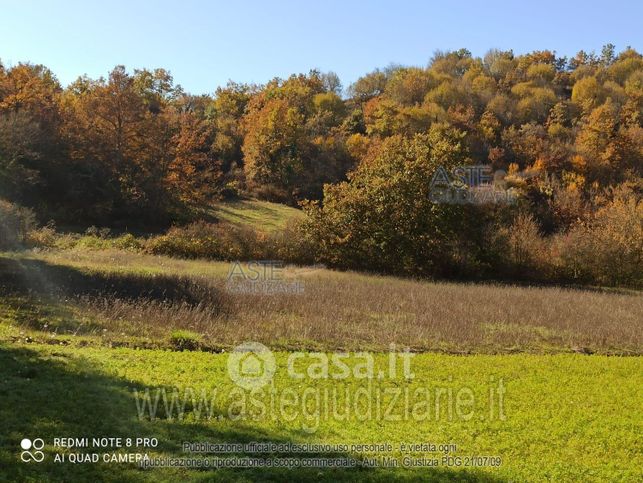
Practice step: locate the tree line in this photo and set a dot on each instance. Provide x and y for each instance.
(134, 148)
(136, 145)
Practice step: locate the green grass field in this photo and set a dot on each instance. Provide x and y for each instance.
(566, 417)
(82, 330)
(254, 213)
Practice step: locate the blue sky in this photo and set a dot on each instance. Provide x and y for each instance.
(205, 43)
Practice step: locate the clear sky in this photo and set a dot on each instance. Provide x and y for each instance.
(205, 43)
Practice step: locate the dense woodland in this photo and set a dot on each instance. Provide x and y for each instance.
(133, 149)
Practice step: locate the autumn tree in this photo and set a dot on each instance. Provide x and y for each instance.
(30, 148)
(226, 113)
(383, 217)
(120, 133)
(289, 145)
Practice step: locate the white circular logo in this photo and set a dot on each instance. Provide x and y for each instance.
(37, 455)
(251, 365)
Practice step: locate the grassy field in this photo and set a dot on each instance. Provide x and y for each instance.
(566, 417)
(83, 334)
(255, 214)
(128, 298)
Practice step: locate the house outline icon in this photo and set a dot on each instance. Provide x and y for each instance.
(251, 365)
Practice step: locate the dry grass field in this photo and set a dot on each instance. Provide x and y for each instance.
(141, 300)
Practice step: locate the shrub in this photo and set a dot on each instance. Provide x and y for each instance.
(384, 219)
(91, 242)
(192, 241)
(608, 249)
(228, 242)
(269, 192)
(43, 237)
(518, 250)
(526, 246)
(291, 245)
(93, 239)
(197, 240)
(15, 223)
(184, 340)
(127, 242)
(570, 254)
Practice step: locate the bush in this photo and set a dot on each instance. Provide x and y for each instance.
(384, 218)
(93, 239)
(269, 192)
(524, 249)
(15, 223)
(127, 242)
(184, 340)
(44, 237)
(608, 249)
(197, 240)
(228, 242)
(291, 245)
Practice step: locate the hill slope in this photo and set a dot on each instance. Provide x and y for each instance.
(262, 215)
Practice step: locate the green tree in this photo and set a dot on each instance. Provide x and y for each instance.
(383, 218)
